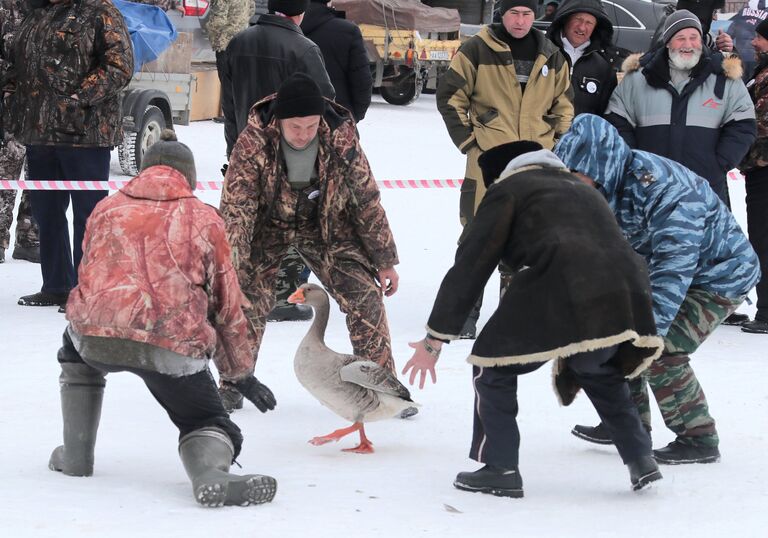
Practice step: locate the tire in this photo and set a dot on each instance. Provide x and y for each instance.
(136, 143)
(404, 93)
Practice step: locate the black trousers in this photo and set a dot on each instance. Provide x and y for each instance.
(496, 437)
(58, 260)
(757, 226)
(191, 401)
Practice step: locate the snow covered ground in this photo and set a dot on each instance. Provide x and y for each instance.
(405, 488)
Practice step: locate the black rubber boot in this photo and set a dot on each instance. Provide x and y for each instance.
(82, 392)
(642, 472)
(207, 455)
(677, 453)
(492, 480)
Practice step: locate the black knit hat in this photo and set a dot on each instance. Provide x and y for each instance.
(506, 5)
(299, 96)
(288, 7)
(762, 28)
(169, 151)
(495, 160)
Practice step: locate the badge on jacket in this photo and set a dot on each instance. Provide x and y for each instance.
(590, 85)
(544, 71)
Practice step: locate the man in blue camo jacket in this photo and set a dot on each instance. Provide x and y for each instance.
(700, 263)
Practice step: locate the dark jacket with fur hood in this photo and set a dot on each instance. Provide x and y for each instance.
(593, 77)
(707, 127)
(584, 287)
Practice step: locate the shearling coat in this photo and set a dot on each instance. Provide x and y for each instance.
(157, 269)
(583, 287)
(707, 127)
(482, 102)
(350, 215)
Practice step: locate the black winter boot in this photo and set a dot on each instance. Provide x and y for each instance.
(594, 434)
(677, 453)
(82, 392)
(756, 326)
(492, 479)
(290, 312)
(43, 298)
(30, 254)
(642, 472)
(207, 455)
(736, 319)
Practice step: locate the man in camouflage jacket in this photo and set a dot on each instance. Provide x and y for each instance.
(12, 13)
(70, 62)
(334, 219)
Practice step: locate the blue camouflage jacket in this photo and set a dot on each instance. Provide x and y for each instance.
(669, 215)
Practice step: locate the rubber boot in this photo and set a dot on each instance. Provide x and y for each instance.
(82, 392)
(207, 454)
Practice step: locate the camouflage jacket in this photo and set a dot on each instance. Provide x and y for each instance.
(12, 13)
(157, 269)
(225, 19)
(757, 157)
(79, 48)
(349, 208)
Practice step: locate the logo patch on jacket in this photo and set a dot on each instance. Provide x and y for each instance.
(711, 103)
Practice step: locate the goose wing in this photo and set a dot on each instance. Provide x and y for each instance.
(370, 375)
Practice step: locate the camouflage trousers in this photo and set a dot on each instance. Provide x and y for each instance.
(293, 273)
(348, 279)
(11, 164)
(678, 393)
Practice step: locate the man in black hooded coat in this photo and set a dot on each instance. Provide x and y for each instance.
(344, 53)
(593, 77)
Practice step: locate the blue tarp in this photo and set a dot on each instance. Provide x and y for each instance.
(151, 30)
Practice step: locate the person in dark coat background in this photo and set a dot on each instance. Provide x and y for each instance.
(586, 302)
(344, 53)
(583, 32)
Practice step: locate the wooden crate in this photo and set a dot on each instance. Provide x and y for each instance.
(206, 93)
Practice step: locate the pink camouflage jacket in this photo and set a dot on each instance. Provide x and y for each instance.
(157, 269)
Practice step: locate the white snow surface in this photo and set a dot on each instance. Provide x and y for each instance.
(405, 489)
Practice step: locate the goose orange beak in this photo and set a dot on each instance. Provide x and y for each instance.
(297, 297)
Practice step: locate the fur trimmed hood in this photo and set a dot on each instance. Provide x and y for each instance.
(730, 66)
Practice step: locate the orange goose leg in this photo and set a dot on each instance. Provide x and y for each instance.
(365, 446)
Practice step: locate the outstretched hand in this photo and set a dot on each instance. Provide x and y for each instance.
(257, 392)
(420, 363)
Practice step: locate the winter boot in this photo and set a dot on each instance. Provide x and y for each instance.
(207, 454)
(82, 391)
(469, 330)
(678, 453)
(736, 319)
(642, 472)
(231, 399)
(30, 254)
(492, 479)
(290, 312)
(594, 434)
(756, 326)
(43, 298)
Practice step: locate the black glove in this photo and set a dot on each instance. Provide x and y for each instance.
(257, 392)
(224, 169)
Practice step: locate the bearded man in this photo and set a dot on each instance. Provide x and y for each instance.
(687, 103)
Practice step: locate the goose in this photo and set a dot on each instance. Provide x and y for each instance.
(357, 390)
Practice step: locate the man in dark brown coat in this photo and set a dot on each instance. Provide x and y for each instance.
(298, 178)
(71, 60)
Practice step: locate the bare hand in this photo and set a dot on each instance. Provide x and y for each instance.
(421, 363)
(723, 42)
(388, 280)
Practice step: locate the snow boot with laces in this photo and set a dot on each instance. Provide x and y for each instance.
(82, 392)
(207, 455)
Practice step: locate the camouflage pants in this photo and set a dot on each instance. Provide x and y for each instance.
(349, 281)
(678, 393)
(11, 164)
(291, 275)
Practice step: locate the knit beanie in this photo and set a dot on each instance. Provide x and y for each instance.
(299, 96)
(495, 160)
(679, 20)
(288, 7)
(506, 5)
(762, 28)
(169, 151)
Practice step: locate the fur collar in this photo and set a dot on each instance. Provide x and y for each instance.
(731, 65)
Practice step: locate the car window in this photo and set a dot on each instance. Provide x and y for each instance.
(620, 17)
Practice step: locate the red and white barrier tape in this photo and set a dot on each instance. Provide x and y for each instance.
(115, 184)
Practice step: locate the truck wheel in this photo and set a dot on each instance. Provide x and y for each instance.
(136, 143)
(404, 93)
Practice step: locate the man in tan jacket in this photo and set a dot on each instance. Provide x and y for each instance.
(507, 83)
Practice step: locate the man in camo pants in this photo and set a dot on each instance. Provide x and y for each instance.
(700, 263)
(27, 246)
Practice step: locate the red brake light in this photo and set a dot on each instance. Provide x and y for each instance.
(195, 8)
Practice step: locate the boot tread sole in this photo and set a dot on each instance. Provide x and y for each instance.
(515, 493)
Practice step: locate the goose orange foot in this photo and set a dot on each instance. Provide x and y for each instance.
(365, 447)
(338, 434)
